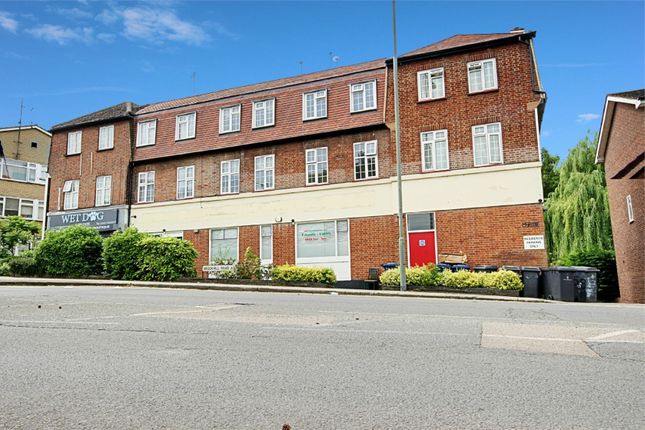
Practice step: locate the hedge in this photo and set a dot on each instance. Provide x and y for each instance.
(71, 252)
(165, 259)
(291, 273)
(22, 265)
(121, 254)
(429, 276)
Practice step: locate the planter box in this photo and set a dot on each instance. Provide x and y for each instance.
(482, 291)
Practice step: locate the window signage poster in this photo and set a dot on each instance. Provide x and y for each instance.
(534, 242)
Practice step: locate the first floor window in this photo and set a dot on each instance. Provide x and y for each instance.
(224, 244)
(185, 182)
(434, 150)
(365, 160)
(487, 144)
(229, 119)
(323, 239)
(103, 190)
(482, 75)
(185, 126)
(264, 172)
(630, 209)
(316, 166)
(74, 142)
(363, 96)
(314, 105)
(230, 177)
(11, 207)
(266, 243)
(106, 137)
(430, 83)
(70, 190)
(146, 188)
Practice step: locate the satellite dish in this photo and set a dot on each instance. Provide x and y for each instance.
(335, 58)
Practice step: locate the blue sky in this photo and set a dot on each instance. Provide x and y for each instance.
(66, 59)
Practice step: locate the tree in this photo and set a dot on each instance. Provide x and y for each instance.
(577, 211)
(14, 231)
(550, 172)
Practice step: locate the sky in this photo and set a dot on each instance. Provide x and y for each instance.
(66, 59)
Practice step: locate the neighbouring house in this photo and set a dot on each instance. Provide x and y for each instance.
(24, 151)
(621, 147)
(303, 169)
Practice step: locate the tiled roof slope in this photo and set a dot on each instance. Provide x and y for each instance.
(634, 94)
(121, 110)
(264, 86)
(462, 40)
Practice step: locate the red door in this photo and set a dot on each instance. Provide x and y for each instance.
(422, 249)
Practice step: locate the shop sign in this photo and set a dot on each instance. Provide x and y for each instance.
(100, 219)
(534, 242)
(316, 235)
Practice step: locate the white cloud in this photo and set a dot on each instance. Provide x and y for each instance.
(586, 117)
(74, 13)
(62, 35)
(106, 37)
(7, 22)
(155, 25)
(107, 17)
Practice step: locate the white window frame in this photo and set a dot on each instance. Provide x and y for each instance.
(143, 185)
(432, 142)
(263, 259)
(265, 185)
(316, 95)
(331, 259)
(365, 157)
(70, 192)
(34, 173)
(75, 147)
(488, 134)
(481, 64)
(230, 109)
(106, 137)
(190, 120)
(316, 163)
(187, 179)
(210, 242)
(229, 174)
(430, 73)
(36, 205)
(262, 105)
(352, 90)
(147, 125)
(104, 190)
(630, 208)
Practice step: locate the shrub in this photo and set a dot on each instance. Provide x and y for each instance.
(603, 260)
(4, 269)
(250, 267)
(22, 265)
(73, 252)
(16, 230)
(418, 276)
(291, 273)
(165, 259)
(501, 280)
(121, 254)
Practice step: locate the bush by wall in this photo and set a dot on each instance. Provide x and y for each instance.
(423, 276)
(249, 268)
(22, 265)
(603, 260)
(71, 252)
(291, 273)
(121, 254)
(165, 259)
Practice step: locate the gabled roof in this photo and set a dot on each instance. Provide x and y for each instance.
(467, 41)
(264, 86)
(26, 127)
(122, 110)
(633, 97)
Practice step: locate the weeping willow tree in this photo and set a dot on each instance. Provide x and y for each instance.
(577, 212)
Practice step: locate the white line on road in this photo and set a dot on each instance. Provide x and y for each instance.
(325, 329)
(612, 334)
(53, 322)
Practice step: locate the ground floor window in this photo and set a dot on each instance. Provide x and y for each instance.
(266, 243)
(224, 244)
(322, 239)
(421, 222)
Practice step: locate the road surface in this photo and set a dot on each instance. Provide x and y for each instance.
(95, 357)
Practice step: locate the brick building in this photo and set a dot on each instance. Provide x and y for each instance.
(23, 170)
(303, 169)
(621, 147)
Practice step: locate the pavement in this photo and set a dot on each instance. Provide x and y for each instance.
(7, 280)
(107, 356)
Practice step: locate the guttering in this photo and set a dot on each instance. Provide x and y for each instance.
(465, 48)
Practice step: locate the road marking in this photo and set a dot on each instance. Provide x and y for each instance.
(53, 322)
(335, 330)
(612, 334)
(556, 339)
(187, 311)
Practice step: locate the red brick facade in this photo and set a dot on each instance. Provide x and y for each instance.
(624, 145)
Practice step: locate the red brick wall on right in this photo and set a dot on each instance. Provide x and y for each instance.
(625, 142)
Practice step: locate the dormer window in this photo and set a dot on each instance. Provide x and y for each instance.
(363, 96)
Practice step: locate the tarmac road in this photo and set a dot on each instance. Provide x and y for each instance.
(97, 357)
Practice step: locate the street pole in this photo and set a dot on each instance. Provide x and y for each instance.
(397, 130)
